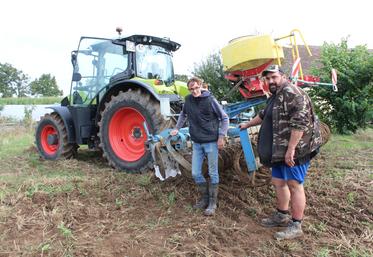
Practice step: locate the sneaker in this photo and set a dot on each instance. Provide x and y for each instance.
(294, 230)
(277, 219)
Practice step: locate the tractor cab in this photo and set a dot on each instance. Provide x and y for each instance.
(100, 62)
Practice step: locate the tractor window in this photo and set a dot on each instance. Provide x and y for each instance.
(154, 62)
(97, 61)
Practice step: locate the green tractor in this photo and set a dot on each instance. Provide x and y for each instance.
(117, 85)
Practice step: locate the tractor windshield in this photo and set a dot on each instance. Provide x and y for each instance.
(97, 60)
(154, 62)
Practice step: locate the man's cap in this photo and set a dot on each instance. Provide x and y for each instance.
(272, 68)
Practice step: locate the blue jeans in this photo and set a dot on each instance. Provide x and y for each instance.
(199, 152)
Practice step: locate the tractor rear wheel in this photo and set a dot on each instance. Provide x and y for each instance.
(51, 138)
(121, 130)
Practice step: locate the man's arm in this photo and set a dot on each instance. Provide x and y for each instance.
(256, 121)
(181, 120)
(224, 119)
(180, 123)
(296, 103)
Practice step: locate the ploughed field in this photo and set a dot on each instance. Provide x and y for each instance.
(82, 207)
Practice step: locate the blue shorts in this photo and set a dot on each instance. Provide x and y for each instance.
(285, 172)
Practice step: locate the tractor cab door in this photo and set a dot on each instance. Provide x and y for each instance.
(94, 63)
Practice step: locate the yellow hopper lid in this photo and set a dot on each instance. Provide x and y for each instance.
(249, 52)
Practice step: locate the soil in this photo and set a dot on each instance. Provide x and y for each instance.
(103, 212)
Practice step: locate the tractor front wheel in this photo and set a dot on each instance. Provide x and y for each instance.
(51, 138)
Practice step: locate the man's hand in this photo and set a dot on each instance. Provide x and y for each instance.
(295, 136)
(174, 132)
(289, 157)
(221, 143)
(243, 125)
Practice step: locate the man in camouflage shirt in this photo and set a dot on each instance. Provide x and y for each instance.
(288, 139)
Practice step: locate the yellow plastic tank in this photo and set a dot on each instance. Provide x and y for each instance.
(249, 52)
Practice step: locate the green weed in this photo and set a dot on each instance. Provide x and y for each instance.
(171, 199)
(44, 247)
(2, 195)
(118, 203)
(66, 232)
(50, 189)
(336, 174)
(252, 212)
(323, 252)
(354, 252)
(351, 197)
(144, 180)
(188, 208)
(317, 228)
(175, 239)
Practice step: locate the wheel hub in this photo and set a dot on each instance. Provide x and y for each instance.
(52, 139)
(136, 133)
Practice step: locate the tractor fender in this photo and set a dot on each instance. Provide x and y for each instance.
(131, 83)
(67, 118)
(124, 85)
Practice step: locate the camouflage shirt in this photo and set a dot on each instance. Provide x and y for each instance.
(292, 109)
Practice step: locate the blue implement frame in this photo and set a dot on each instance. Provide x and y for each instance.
(246, 147)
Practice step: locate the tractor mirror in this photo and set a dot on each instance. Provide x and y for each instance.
(77, 76)
(73, 58)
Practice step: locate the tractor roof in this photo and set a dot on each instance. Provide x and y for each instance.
(150, 40)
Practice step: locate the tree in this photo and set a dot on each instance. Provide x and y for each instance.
(211, 71)
(351, 107)
(181, 77)
(46, 85)
(12, 81)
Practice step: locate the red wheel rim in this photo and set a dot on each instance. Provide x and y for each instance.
(127, 136)
(49, 130)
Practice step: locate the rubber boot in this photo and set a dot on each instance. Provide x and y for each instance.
(213, 200)
(204, 199)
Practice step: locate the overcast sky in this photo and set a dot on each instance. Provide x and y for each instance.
(38, 36)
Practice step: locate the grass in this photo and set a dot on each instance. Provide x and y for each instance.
(344, 144)
(14, 142)
(29, 100)
(51, 189)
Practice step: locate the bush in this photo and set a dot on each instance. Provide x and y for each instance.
(211, 71)
(351, 107)
(27, 120)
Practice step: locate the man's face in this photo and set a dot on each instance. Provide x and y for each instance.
(195, 89)
(274, 80)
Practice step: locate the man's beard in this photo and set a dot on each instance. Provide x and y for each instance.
(273, 88)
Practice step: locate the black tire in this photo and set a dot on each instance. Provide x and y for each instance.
(113, 144)
(51, 125)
